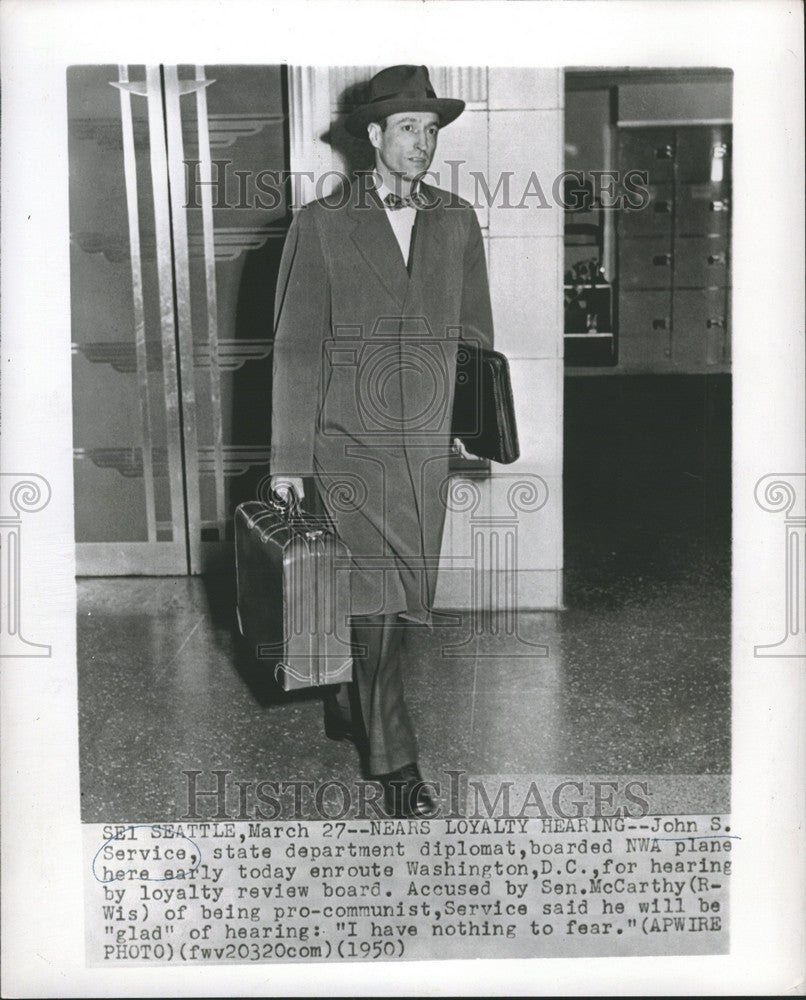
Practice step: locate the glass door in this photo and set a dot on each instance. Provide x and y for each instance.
(178, 213)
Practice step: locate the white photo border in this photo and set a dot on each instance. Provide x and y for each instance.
(761, 40)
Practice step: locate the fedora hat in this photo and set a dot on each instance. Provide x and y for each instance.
(401, 88)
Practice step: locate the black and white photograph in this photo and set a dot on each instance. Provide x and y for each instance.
(559, 604)
(409, 431)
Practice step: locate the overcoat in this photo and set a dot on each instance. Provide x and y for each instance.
(364, 373)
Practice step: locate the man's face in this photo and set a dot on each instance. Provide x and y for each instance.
(407, 145)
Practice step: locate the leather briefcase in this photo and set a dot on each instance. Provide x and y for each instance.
(293, 594)
(483, 411)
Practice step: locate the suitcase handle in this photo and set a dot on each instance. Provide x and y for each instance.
(293, 513)
(284, 505)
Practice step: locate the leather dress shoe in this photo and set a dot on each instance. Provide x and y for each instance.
(405, 794)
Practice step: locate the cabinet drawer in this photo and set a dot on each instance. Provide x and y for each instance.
(702, 210)
(701, 334)
(654, 219)
(701, 262)
(649, 149)
(645, 263)
(645, 329)
(703, 154)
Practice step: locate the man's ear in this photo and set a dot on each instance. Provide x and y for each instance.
(374, 133)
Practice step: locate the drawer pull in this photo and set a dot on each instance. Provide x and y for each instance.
(661, 324)
(715, 321)
(664, 152)
(662, 260)
(721, 205)
(663, 207)
(716, 258)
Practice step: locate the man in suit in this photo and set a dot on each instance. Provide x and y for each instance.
(378, 285)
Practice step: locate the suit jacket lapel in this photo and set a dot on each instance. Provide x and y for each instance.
(373, 236)
(427, 254)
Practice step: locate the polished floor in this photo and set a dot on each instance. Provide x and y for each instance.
(636, 679)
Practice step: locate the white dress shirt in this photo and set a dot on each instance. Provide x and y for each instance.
(400, 219)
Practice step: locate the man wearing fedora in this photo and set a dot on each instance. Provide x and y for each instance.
(378, 285)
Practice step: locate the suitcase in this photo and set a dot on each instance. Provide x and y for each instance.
(293, 594)
(483, 410)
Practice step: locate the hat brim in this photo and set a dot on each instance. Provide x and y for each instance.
(447, 109)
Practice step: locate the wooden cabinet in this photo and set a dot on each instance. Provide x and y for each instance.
(700, 340)
(645, 329)
(653, 220)
(673, 256)
(701, 262)
(650, 149)
(645, 263)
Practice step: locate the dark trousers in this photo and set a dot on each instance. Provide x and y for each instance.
(377, 693)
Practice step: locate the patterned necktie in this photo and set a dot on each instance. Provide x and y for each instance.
(394, 201)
